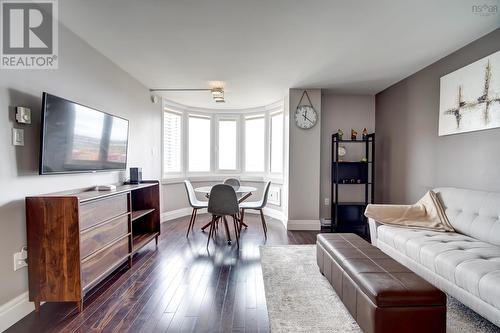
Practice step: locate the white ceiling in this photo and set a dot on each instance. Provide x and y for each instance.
(261, 48)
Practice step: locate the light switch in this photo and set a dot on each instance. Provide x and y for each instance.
(17, 137)
(23, 115)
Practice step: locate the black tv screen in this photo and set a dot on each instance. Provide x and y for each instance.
(76, 138)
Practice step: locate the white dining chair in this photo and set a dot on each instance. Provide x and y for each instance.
(194, 203)
(256, 205)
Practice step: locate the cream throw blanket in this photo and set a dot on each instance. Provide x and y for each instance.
(427, 213)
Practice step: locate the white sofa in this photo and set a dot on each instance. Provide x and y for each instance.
(464, 264)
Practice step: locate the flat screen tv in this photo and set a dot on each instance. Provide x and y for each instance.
(76, 138)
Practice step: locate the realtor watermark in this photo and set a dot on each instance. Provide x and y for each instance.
(484, 9)
(29, 34)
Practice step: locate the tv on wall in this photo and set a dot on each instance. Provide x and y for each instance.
(76, 138)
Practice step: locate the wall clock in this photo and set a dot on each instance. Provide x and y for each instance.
(305, 115)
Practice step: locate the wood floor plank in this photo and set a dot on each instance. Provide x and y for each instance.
(178, 287)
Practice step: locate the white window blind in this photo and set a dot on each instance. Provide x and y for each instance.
(172, 134)
(227, 141)
(255, 144)
(199, 144)
(276, 143)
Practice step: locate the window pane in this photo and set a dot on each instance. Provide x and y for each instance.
(172, 142)
(254, 144)
(199, 144)
(227, 144)
(277, 143)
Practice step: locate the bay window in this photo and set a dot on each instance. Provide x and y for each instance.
(255, 136)
(172, 136)
(277, 136)
(227, 148)
(199, 143)
(220, 143)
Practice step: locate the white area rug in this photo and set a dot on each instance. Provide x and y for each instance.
(300, 299)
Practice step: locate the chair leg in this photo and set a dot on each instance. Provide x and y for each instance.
(264, 226)
(194, 219)
(236, 232)
(228, 235)
(211, 230)
(190, 221)
(242, 216)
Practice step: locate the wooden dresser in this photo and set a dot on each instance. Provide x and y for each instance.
(76, 239)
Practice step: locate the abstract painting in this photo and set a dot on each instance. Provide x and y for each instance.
(470, 97)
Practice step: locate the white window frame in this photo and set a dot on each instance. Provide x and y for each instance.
(215, 173)
(186, 146)
(173, 174)
(224, 117)
(272, 114)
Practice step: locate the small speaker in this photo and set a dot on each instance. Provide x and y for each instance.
(135, 175)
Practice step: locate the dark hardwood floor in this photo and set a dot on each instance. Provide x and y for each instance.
(178, 288)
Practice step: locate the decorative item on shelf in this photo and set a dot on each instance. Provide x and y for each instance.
(358, 181)
(354, 134)
(342, 152)
(364, 160)
(305, 114)
(365, 134)
(341, 134)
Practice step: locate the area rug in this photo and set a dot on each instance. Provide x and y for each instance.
(300, 299)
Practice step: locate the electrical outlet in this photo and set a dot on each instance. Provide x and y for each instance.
(17, 137)
(20, 259)
(327, 201)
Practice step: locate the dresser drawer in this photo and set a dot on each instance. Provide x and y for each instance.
(94, 212)
(98, 237)
(100, 263)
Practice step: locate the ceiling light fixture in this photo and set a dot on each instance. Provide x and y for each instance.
(217, 93)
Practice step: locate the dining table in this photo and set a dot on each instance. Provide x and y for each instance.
(243, 193)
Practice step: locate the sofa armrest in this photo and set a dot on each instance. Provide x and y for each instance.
(373, 230)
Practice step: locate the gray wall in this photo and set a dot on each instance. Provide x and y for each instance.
(304, 162)
(411, 158)
(345, 112)
(91, 79)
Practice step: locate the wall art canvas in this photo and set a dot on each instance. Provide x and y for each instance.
(470, 97)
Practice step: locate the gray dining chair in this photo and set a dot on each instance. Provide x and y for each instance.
(257, 205)
(221, 203)
(194, 203)
(234, 182)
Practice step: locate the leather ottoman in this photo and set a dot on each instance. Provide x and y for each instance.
(381, 294)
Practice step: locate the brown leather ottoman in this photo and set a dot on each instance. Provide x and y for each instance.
(381, 294)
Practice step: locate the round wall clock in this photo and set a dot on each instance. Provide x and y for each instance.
(305, 115)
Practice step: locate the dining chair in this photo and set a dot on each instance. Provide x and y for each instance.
(234, 182)
(221, 203)
(194, 203)
(257, 205)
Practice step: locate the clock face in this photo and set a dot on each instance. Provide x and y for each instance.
(305, 116)
(342, 151)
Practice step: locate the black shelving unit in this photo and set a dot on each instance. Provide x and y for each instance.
(349, 216)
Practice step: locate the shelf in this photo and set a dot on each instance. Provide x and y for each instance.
(352, 183)
(140, 213)
(138, 241)
(354, 141)
(352, 162)
(352, 204)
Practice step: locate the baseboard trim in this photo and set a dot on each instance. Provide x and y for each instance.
(15, 310)
(175, 214)
(303, 225)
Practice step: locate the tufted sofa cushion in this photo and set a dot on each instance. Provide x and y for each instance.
(471, 264)
(473, 213)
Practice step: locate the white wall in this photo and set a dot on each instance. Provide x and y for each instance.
(345, 112)
(303, 179)
(85, 76)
